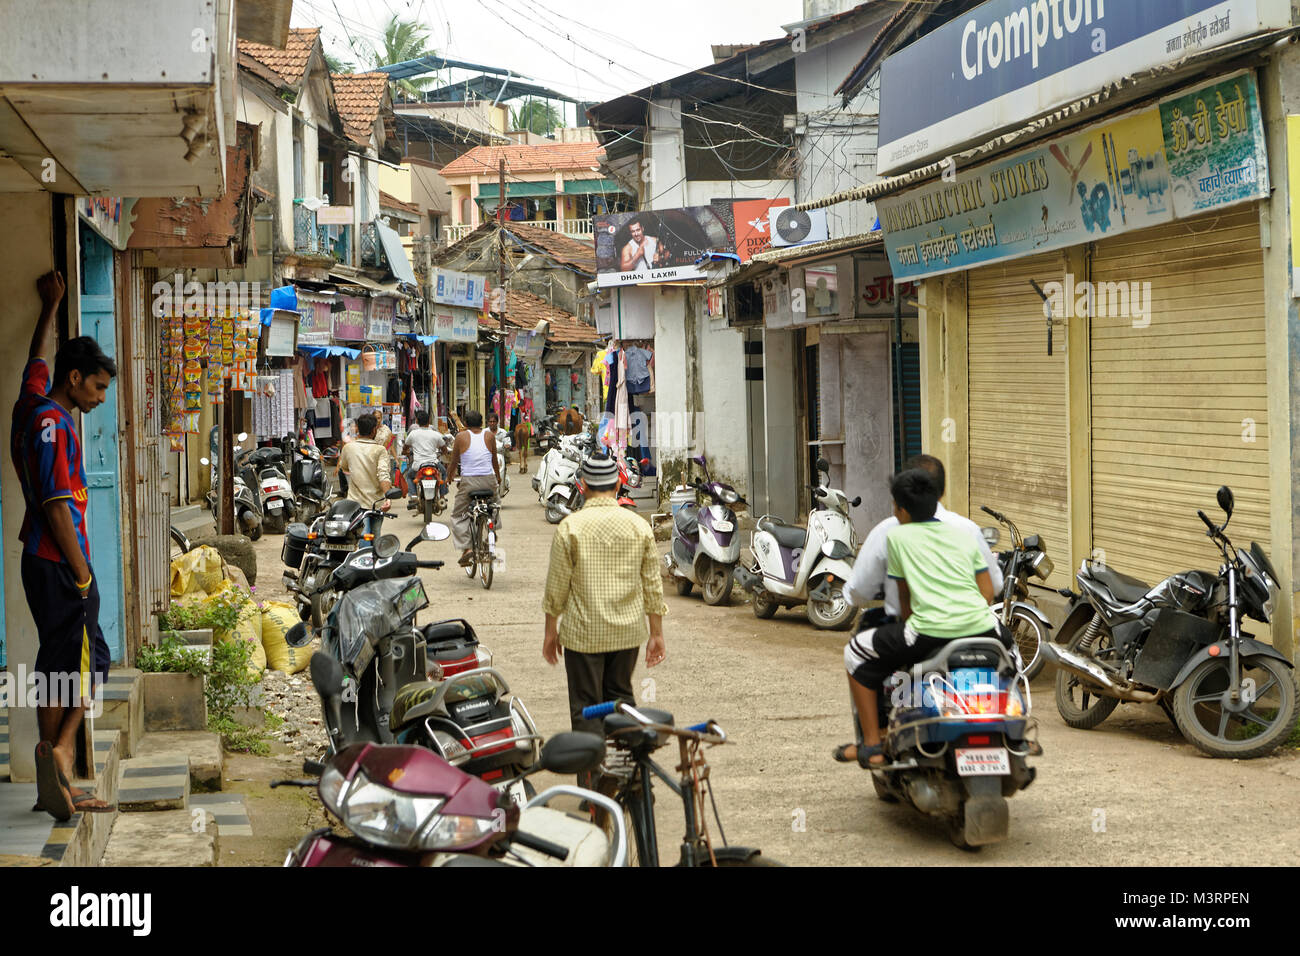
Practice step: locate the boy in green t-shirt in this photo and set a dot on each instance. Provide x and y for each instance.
(944, 592)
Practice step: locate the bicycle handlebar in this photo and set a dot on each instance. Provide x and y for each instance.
(699, 728)
(599, 710)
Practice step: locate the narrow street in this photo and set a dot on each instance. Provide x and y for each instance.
(1131, 792)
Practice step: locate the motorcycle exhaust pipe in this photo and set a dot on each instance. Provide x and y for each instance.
(1094, 673)
(746, 578)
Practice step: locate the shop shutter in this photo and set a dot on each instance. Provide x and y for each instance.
(1173, 403)
(906, 446)
(1018, 444)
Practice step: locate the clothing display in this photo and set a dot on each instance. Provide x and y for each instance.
(640, 370)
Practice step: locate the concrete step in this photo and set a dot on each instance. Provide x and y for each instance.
(194, 521)
(169, 838)
(228, 810)
(124, 707)
(201, 749)
(157, 782)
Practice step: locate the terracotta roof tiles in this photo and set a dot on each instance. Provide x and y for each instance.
(360, 96)
(524, 310)
(291, 62)
(553, 157)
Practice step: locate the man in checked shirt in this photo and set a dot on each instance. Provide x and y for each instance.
(602, 587)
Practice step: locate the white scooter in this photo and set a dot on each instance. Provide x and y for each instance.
(557, 476)
(503, 445)
(810, 566)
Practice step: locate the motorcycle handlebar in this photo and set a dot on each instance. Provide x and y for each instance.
(430, 564)
(1208, 523)
(599, 710)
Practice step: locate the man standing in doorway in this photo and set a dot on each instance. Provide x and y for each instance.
(604, 596)
(367, 465)
(474, 461)
(57, 577)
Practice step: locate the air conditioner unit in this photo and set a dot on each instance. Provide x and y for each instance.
(797, 227)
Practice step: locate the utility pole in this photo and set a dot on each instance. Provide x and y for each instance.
(226, 496)
(501, 271)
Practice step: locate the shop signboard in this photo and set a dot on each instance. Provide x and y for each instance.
(379, 323)
(661, 246)
(876, 290)
(1007, 61)
(458, 288)
(314, 322)
(1195, 151)
(350, 324)
(281, 336)
(455, 325)
(750, 223)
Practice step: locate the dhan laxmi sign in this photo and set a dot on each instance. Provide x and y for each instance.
(1007, 61)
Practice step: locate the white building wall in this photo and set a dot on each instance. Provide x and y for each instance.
(725, 410)
(837, 148)
(672, 427)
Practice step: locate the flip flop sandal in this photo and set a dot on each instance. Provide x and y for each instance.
(86, 797)
(864, 755)
(47, 784)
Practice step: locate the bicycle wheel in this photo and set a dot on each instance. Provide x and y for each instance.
(471, 569)
(484, 557)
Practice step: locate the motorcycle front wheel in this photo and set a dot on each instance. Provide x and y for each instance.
(1077, 701)
(764, 605)
(1255, 731)
(1030, 636)
(554, 515)
(717, 583)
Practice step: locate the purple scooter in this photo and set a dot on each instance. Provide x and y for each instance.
(706, 542)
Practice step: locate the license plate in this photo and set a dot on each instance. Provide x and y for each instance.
(515, 791)
(275, 504)
(983, 762)
(429, 486)
(723, 526)
(339, 547)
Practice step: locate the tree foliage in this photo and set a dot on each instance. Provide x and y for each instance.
(536, 116)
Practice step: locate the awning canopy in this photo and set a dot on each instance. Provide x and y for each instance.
(422, 339)
(329, 351)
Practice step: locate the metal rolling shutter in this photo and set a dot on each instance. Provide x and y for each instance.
(910, 401)
(1018, 444)
(1170, 402)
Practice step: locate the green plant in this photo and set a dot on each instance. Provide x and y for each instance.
(238, 738)
(221, 612)
(229, 683)
(173, 656)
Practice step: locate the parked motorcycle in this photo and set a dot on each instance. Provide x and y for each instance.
(308, 480)
(706, 543)
(1028, 556)
(245, 487)
(1180, 644)
(503, 445)
(811, 566)
(557, 477)
(406, 806)
(267, 465)
(956, 734)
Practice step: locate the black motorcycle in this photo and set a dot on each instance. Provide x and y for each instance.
(1180, 645)
(1017, 609)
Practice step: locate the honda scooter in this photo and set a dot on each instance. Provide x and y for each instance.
(245, 491)
(558, 478)
(278, 508)
(706, 543)
(811, 565)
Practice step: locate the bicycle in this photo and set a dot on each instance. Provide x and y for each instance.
(482, 533)
(634, 735)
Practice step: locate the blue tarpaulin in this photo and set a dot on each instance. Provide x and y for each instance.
(285, 297)
(329, 351)
(422, 339)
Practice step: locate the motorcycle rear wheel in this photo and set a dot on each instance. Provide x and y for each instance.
(882, 791)
(764, 605)
(428, 510)
(717, 584)
(274, 523)
(1259, 730)
(1089, 709)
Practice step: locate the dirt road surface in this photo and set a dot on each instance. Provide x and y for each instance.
(1130, 792)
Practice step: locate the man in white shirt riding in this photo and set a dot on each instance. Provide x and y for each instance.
(474, 461)
(424, 445)
(869, 570)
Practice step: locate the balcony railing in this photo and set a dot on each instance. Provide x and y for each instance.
(573, 228)
(311, 239)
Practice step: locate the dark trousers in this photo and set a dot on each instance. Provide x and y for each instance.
(595, 679)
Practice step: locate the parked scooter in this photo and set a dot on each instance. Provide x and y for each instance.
(1017, 611)
(706, 543)
(1181, 645)
(407, 806)
(245, 487)
(307, 476)
(811, 566)
(557, 478)
(956, 732)
(503, 445)
(267, 465)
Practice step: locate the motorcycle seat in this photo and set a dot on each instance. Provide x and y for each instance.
(446, 630)
(483, 494)
(978, 653)
(688, 520)
(787, 536)
(407, 704)
(631, 733)
(1126, 589)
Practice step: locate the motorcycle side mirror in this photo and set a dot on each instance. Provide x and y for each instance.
(992, 536)
(298, 635)
(823, 465)
(573, 752)
(326, 676)
(1225, 500)
(645, 462)
(204, 461)
(393, 494)
(856, 501)
(387, 545)
(242, 436)
(434, 531)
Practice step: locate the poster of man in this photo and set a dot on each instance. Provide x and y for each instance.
(658, 246)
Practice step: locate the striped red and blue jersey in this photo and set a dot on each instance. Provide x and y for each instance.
(47, 455)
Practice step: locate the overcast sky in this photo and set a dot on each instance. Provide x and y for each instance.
(590, 49)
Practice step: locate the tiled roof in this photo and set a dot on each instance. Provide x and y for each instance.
(561, 248)
(553, 157)
(291, 62)
(524, 310)
(360, 96)
(387, 201)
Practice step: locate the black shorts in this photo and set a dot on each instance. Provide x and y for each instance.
(875, 653)
(67, 627)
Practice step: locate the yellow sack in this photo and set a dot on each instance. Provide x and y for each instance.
(277, 618)
(249, 629)
(197, 572)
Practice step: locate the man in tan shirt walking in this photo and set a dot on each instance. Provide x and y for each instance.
(367, 465)
(604, 596)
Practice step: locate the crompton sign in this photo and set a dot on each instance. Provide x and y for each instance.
(1008, 61)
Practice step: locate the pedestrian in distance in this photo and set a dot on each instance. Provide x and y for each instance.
(57, 576)
(604, 596)
(474, 461)
(367, 465)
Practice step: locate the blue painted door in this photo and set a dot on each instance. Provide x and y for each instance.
(99, 436)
